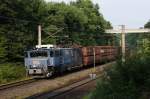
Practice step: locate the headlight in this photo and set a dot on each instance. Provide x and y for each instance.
(34, 66)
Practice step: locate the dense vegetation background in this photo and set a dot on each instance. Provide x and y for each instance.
(137, 41)
(81, 21)
(129, 79)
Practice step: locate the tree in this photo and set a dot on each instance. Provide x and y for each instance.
(81, 21)
(19, 21)
(96, 24)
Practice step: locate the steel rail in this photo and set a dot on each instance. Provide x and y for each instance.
(18, 83)
(63, 90)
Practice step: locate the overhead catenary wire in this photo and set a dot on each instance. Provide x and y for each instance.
(59, 28)
(37, 23)
(23, 20)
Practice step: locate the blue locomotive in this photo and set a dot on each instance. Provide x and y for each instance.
(47, 61)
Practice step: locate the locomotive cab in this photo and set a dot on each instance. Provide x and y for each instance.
(39, 62)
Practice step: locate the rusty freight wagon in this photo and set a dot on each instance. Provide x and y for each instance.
(102, 53)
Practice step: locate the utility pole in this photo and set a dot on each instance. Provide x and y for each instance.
(94, 70)
(123, 45)
(39, 35)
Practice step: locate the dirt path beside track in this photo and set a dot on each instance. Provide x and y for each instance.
(49, 84)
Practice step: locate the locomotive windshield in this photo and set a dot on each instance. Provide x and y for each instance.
(39, 54)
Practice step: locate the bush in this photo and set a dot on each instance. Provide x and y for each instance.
(11, 71)
(128, 80)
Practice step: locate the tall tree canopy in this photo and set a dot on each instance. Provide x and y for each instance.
(81, 21)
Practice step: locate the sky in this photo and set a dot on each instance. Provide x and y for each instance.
(132, 13)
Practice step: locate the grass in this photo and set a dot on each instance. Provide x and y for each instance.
(10, 72)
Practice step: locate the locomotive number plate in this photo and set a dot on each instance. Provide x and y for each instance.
(35, 62)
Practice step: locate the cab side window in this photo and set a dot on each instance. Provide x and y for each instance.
(51, 54)
(57, 53)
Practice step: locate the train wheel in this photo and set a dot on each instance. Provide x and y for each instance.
(69, 68)
(50, 72)
(60, 71)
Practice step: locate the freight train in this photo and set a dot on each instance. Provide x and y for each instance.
(47, 61)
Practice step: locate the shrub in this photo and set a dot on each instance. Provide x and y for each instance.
(126, 80)
(11, 71)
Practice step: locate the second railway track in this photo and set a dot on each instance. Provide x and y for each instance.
(18, 83)
(63, 90)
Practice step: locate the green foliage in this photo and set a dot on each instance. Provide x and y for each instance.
(11, 71)
(128, 80)
(17, 33)
(2, 49)
(139, 41)
(81, 21)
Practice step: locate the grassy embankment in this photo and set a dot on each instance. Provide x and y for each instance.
(128, 80)
(10, 72)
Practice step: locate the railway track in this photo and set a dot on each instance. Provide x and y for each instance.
(63, 90)
(40, 89)
(15, 84)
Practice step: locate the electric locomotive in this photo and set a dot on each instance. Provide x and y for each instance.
(46, 61)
